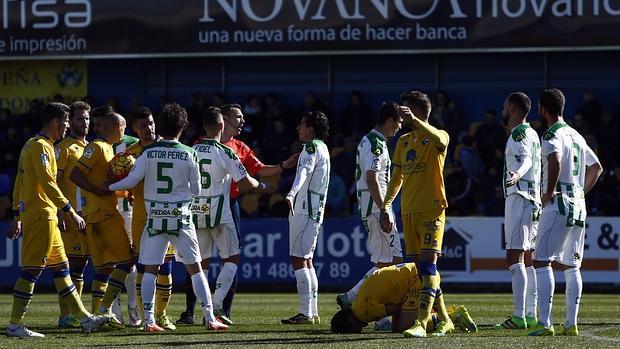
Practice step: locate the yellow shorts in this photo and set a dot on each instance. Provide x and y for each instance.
(412, 299)
(108, 241)
(41, 244)
(76, 244)
(424, 231)
(137, 227)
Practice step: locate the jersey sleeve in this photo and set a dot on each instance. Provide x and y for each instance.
(368, 160)
(591, 158)
(553, 145)
(45, 176)
(523, 152)
(235, 168)
(251, 162)
(91, 155)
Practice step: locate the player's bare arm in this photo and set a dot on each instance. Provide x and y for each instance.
(385, 219)
(592, 174)
(554, 167)
(81, 180)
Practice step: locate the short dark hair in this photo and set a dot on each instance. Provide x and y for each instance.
(340, 322)
(521, 101)
(101, 111)
(171, 120)
(226, 108)
(318, 121)
(388, 110)
(212, 117)
(78, 105)
(53, 110)
(417, 99)
(552, 99)
(140, 112)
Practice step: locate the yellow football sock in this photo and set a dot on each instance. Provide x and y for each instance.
(64, 308)
(430, 283)
(115, 285)
(22, 294)
(77, 277)
(100, 285)
(68, 294)
(163, 290)
(439, 306)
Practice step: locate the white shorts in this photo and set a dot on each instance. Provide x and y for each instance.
(303, 232)
(557, 241)
(153, 247)
(381, 246)
(225, 238)
(520, 223)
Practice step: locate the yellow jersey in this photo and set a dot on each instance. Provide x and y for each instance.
(421, 167)
(36, 194)
(390, 285)
(139, 208)
(68, 152)
(95, 163)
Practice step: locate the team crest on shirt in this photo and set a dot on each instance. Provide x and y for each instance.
(242, 169)
(411, 154)
(576, 257)
(45, 160)
(56, 153)
(89, 152)
(425, 141)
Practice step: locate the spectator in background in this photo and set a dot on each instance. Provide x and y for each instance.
(11, 144)
(197, 105)
(272, 109)
(32, 118)
(607, 133)
(470, 159)
(113, 102)
(311, 102)
(591, 110)
(219, 99)
(253, 130)
(580, 124)
(445, 114)
(343, 163)
(460, 191)
(276, 142)
(357, 117)
(337, 196)
(491, 139)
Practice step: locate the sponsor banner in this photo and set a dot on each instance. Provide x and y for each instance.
(120, 28)
(23, 81)
(473, 252)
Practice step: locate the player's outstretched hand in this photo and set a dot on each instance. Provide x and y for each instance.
(385, 222)
(291, 161)
(289, 201)
(512, 180)
(15, 229)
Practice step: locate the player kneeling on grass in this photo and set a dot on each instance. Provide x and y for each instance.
(394, 291)
(171, 178)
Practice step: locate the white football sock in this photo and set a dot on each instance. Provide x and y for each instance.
(148, 297)
(116, 307)
(314, 293)
(519, 282)
(130, 287)
(303, 290)
(530, 293)
(352, 294)
(203, 293)
(223, 283)
(545, 289)
(574, 286)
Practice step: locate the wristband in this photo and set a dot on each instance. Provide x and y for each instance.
(262, 185)
(67, 207)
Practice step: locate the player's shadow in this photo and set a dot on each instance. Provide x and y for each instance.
(262, 341)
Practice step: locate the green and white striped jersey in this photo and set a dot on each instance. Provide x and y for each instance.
(372, 155)
(219, 165)
(171, 179)
(523, 156)
(575, 156)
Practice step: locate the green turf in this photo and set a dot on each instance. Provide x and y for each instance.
(257, 325)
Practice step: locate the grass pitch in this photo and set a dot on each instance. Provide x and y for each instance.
(257, 324)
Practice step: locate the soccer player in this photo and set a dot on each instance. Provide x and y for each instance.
(125, 209)
(522, 210)
(372, 175)
(143, 125)
(418, 167)
(171, 177)
(36, 199)
(233, 124)
(306, 201)
(68, 151)
(108, 241)
(570, 170)
(393, 291)
(211, 208)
